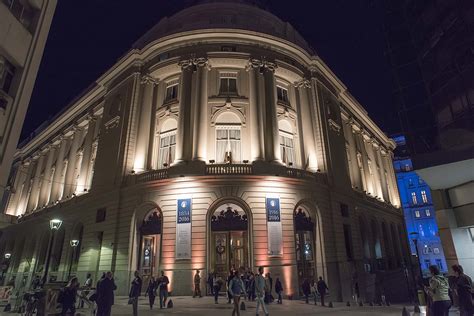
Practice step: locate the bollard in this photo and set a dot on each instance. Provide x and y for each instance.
(405, 312)
(330, 305)
(417, 309)
(348, 303)
(360, 304)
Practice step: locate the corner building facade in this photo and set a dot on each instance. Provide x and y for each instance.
(221, 140)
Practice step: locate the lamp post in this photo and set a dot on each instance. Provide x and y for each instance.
(414, 236)
(54, 225)
(5, 264)
(74, 243)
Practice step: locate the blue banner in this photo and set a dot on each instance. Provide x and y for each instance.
(273, 209)
(184, 211)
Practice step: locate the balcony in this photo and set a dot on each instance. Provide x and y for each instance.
(227, 170)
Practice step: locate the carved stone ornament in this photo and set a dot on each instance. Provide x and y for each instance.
(229, 219)
(148, 79)
(261, 64)
(303, 222)
(303, 83)
(112, 123)
(193, 63)
(334, 126)
(151, 224)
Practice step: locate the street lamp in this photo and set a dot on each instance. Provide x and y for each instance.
(5, 264)
(54, 225)
(74, 243)
(414, 236)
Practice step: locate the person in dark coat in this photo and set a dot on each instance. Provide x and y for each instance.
(306, 287)
(322, 289)
(135, 290)
(151, 291)
(278, 290)
(463, 287)
(229, 296)
(210, 282)
(163, 282)
(105, 295)
(68, 298)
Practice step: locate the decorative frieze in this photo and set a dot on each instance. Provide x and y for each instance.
(194, 62)
(261, 64)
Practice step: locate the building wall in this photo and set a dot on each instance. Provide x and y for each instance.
(105, 151)
(24, 28)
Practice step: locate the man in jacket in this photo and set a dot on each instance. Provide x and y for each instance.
(322, 289)
(197, 284)
(260, 291)
(135, 290)
(105, 295)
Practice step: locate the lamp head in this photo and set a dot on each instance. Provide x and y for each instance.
(55, 224)
(74, 243)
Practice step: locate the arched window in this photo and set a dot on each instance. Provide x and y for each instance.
(167, 143)
(287, 146)
(228, 138)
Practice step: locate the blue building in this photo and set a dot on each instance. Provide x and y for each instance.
(418, 209)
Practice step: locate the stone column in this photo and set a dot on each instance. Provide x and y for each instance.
(184, 132)
(57, 185)
(256, 118)
(48, 170)
(383, 181)
(200, 111)
(307, 117)
(86, 155)
(16, 188)
(23, 199)
(391, 174)
(69, 180)
(35, 185)
(141, 150)
(271, 134)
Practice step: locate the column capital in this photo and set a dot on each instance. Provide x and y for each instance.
(194, 62)
(261, 64)
(148, 79)
(303, 83)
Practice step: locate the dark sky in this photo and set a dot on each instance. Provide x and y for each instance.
(87, 37)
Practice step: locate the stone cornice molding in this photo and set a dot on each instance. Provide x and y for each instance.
(261, 64)
(303, 83)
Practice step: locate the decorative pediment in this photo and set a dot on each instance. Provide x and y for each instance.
(151, 224)
(303, 222)
(229, 219)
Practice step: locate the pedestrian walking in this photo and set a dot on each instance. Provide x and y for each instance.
(236, 288)
(151, 291)
(105, 294)
(322, 289)
(438, 290)
(86, 288)
(306, 288)
(67, 297)
(197, 284)
(163, 282)
(267, 298)
(210, 283)
(278, 290)
(229, 296)
(270, 283)
(135, 290)
(463, 288)
(314, 291)
(260, 291)
(216, 286)
(251, 287)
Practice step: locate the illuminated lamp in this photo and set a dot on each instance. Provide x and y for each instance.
(55, 224)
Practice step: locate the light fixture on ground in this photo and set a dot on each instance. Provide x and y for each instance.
(54, 225)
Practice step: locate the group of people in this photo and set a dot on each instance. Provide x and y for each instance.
(440, 292)
(316, 289)
(156, 287)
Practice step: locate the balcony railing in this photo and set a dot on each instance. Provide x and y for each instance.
(228, 169)
(152, 175)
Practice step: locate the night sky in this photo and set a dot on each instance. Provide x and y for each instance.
(87, 37)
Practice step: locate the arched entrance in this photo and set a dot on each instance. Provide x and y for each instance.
(304, 245)
(229, 244)
(150, 244)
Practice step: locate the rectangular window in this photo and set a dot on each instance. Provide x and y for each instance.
(424, 197)
(228, 147)
(20, 10)
(344, 210)
(100, 215)
(282, 95)
(348, 241)
(436, 250)
(417, 214)
(439, 263)
(7, 71)
(171, 92)
(413, 198)
(228, 84)
(287, 148)
(427, 212)
(427, 264)
(228, 48)
(167, 149)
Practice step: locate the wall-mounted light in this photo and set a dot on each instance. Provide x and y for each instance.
(7, 255)
(55, 224)
(212, 161)
(132, 172)
(319, 170)
(74, 243)
(290, 164)
(165, 165)
(245, 161)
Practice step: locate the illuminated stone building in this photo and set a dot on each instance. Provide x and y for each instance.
(219, 140)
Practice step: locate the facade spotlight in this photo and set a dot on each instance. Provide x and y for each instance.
(74, 243)
(165, 165)
(55, 224)
(290, 164)
(245, 161)
(132, 172)
(212, 161)
(319, 170)
(7, 255)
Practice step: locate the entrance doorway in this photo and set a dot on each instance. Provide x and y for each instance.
(229, 240)
(150, 243)
(304, 244)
